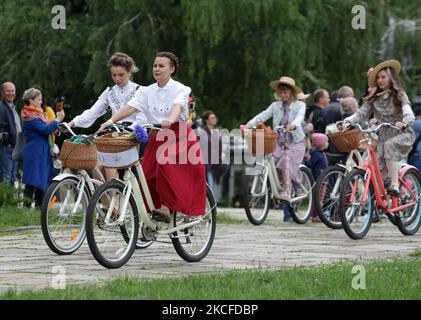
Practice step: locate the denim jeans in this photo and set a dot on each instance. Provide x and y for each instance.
(9, 167)
(211, 180)
(287, 213)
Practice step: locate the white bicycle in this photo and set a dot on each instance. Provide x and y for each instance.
(262, 185)
(65, 204)
(117, 211)
(328, 189)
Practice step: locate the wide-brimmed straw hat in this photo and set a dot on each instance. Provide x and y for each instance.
(286, 81)
(394, 64)
(303, 96)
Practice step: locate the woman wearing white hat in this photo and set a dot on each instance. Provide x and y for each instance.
(390, 104)
(289, 112)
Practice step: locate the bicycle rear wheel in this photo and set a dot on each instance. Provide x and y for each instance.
(194, 243)
(63, 213)
(408, 220)
(356, 215)
(302, 207)
(326, 196)
(111, 241)
(256, 197)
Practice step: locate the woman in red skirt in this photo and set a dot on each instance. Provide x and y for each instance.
(172, 164)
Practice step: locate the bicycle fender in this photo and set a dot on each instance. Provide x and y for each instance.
(63, 176)
(404, 168)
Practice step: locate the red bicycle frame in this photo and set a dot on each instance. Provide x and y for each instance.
(373, 175)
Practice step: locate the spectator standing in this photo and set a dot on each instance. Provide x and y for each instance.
(332, 114)
(211, 144)
(38, 151)
(321, 101)
(415, 155)
(10, 127)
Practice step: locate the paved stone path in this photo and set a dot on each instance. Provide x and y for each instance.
(26, 261)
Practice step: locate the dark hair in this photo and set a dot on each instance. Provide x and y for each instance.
(318, 94)
(173, 60)
(123, 60)
(205, 117)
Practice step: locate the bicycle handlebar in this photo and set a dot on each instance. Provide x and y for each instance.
(374, 130)
(280, 129)
(152, 126)
(64, 127)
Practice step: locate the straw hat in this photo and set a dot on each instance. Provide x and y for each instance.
(302, 96)
(286, 81)
(394, 64)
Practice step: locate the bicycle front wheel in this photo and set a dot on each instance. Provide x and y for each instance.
(326, 196)
(356, 213)
(409, 219)
(193, 243)
(256, 197)
(111, 238)
(302, 197)
(63, 213)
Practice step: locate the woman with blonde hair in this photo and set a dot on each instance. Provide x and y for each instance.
(38, 151)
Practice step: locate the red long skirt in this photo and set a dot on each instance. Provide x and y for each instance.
(174, 170)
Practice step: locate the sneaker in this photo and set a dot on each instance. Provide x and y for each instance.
(285, 197)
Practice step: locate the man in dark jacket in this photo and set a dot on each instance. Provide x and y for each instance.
(9, 128)
(321, 101)
(332, 114)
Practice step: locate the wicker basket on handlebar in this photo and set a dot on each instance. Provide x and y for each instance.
(255, 137)
(78, 156)
(116, 142)
(346, 141)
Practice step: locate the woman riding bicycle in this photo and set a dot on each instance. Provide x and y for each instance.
(287, 112)
(390, 104)
(122, 68)
(176, 185)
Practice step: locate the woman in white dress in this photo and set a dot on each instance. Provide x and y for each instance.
(181, 185)
(122, 68)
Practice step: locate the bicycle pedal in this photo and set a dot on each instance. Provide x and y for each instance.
(146, 234)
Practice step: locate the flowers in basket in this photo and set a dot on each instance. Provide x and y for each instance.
(139, 133)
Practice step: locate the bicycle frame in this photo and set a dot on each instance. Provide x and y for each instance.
(270, 172)
(84, 179)
(135, 188)
(373, 175)
(348, 166)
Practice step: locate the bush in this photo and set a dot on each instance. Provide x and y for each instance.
(10, 197)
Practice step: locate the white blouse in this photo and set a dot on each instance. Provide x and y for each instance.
(156, 103)
(116, 98)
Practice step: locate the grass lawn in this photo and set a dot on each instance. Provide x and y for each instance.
(16, 217)
(396, 279)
